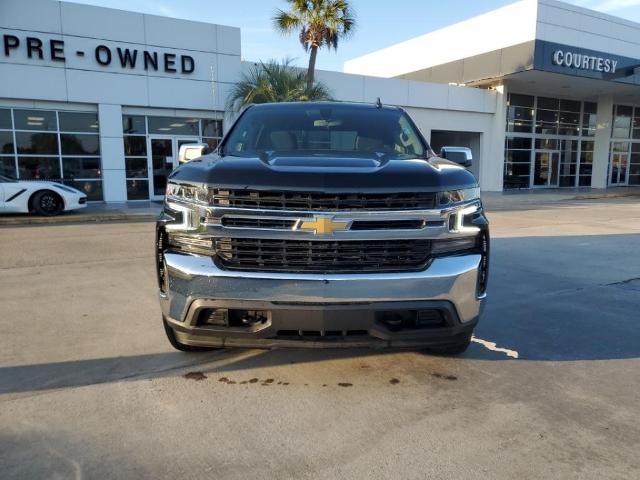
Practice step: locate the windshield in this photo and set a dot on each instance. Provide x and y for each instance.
(325, 130)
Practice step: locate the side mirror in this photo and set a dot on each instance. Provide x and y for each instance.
(460, 155)
(191, 151)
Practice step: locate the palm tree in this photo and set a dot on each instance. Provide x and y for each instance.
(274, 82)
(320, 23)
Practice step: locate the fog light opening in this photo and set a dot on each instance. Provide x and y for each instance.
(218, 317)
(397, 320)
(247, 318)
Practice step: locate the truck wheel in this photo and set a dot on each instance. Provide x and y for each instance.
(457, 347)
(171, 336)
(46, 202)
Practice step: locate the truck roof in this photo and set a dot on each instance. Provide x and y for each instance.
(333, 104)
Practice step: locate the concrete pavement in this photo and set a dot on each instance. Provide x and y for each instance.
(89, 387)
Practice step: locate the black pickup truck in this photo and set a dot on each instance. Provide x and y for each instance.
(324, 225)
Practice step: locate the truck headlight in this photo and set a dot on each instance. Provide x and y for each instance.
(186, 192)
(451, 197)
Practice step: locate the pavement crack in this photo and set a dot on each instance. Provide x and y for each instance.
(621, 282)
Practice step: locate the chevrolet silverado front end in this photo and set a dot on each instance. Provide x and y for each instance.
(322, 224)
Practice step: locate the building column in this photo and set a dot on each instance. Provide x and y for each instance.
(601, 142)
(492, 165)
(114, 184)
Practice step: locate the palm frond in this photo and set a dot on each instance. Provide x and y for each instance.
(274, 81)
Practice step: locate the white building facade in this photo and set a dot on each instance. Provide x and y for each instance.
(101, 99)
(569, 81)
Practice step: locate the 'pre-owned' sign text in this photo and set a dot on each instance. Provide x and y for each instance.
(584, 62)
(104, 55)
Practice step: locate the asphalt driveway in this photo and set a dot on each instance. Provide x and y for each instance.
(89, 387)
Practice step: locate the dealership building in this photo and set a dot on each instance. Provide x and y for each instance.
(546, 94)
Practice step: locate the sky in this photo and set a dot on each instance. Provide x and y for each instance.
(380, 23)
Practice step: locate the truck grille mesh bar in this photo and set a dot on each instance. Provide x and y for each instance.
(312, 201)
(323, 256)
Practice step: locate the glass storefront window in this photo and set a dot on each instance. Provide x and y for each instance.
(211, 128)
(549, 103)
(5, 119)
(78, 122)
(137, 189)
(517, 165)
(80, 144)
(136, 167)
(37, 143)
(622, 116)
(149, 153)
(568, 163)
(134, 124)
(35, 120)
(174, 126)
(636, 124)
(618, 163)
(46, 142)
(91, 188)
(39, 168)
(135, 145)
(518, 100)
(634, 164)
(546, 144)
(546, 149)
(589, 119)
(570, 106)
(6, 142)
(81, 167)
(8, 166)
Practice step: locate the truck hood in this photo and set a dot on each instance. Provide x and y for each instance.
(325, 173)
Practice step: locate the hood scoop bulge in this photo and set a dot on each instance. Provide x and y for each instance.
(323, 164)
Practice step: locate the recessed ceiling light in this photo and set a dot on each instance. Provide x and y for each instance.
(34, 123)
(175, 125)
(164, 129)
(35, 119)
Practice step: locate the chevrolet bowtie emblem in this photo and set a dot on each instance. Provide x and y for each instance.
(322, 225)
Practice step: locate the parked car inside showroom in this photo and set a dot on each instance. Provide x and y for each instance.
(39, 197)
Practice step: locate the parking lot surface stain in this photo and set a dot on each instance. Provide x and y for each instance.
(197, 376)
(443, 376)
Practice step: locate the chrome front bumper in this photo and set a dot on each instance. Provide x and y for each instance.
(318, 302)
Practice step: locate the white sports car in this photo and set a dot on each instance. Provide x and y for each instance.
(43, 198)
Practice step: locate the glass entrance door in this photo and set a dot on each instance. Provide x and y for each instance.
(619, 163)
(163, 159)
(546, 168)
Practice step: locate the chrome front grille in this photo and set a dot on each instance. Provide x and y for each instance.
(257, 222)
(258, 254)
(271, 223)
(316, 201)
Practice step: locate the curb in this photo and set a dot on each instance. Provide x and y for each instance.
(79, 218)
(595, 196)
